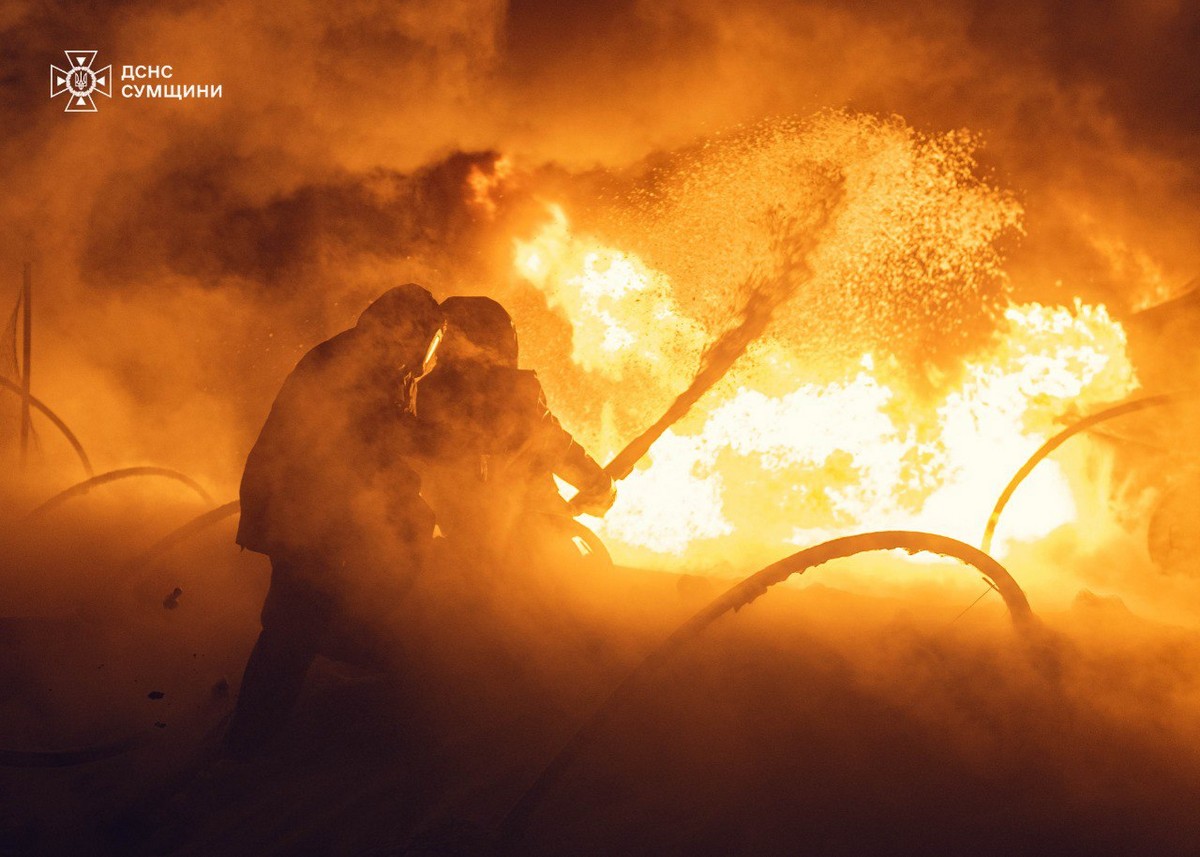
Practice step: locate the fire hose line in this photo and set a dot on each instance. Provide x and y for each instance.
(113, 476)
(1070, 431)
(191, 528)
(38, 405)
(515, 824)
(68, 758)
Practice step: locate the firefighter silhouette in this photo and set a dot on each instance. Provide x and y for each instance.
(491, 445)
(329, 495)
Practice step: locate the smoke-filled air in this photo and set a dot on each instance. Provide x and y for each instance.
(529, 428)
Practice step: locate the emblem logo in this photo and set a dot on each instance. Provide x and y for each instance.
(80, 81)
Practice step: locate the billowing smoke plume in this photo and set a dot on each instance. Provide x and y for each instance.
(282, 206)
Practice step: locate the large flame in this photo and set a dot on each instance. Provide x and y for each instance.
(765, 461)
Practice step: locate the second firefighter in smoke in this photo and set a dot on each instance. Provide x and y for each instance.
(490, 445)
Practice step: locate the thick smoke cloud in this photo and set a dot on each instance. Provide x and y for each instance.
(1083, 106)
(298, 181)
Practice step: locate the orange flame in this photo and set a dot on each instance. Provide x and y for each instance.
(763, 463)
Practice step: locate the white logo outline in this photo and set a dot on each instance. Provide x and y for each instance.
(80, 81)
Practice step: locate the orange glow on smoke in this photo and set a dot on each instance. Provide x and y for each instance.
(486, 186)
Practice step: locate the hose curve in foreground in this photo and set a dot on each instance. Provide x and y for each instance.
(191, 528)
(1062, 437)
(515, 824)
(40, 406)
(67, 758)
(113, 476)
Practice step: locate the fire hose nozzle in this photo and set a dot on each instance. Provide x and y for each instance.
(595, 500)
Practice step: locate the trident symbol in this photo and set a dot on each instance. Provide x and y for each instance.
(80, 81)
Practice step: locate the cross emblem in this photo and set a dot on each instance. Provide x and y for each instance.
(79, 80)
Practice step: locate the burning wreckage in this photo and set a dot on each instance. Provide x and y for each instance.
(751, 450)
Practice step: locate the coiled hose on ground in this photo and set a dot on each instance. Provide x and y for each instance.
(516, 823)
